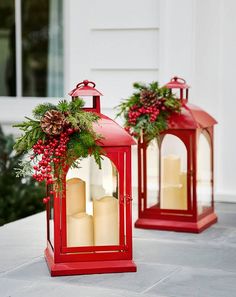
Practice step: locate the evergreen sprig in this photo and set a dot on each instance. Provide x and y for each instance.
(63, 106)
(41, 109)
(32, 132)
(76, 105)
(82, 145)
(138, 113)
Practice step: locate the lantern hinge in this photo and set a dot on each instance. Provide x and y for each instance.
(191, 172)
(125, 198)
(128, 198)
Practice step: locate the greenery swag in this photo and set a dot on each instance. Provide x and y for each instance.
(148, 109)
(57, 137)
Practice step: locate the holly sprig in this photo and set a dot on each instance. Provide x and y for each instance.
(147, 110)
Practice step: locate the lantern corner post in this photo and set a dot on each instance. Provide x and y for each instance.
(140, 176)
(129, 201)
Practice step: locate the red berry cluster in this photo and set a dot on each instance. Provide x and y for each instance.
(136, 111)
(52, 150)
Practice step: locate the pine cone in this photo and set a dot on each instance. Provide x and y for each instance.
(148, 98)
(52, 122)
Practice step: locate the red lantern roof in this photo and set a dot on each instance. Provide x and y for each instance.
(83, 89)
(190, 117)
(112, 133)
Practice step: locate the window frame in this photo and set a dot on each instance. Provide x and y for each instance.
(14, 108)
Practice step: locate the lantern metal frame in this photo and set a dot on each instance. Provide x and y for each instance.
(63, 260)
(187, 126)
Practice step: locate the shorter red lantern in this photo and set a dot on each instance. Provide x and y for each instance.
(89, 220)
(175, 171)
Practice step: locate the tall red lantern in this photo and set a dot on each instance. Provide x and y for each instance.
(175, 171)
(89, 220)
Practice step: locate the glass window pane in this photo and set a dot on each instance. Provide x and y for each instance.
(173, 173)
(92, 204)
(42, 48)
(204, 173)
(152, 174)
(7, 48)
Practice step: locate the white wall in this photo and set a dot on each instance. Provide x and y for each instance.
(207, 82)
(199, 44)
(227, 103)
(113, 43)
(215, 72)
(177, 41)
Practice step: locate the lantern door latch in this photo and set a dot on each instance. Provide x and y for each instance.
(125, 198)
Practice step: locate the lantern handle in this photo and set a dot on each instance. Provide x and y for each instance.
(178, 79)
(85, 83)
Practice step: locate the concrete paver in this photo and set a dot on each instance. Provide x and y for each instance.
(169, 264)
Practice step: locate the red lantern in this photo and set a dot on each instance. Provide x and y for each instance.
(175, 171)
(89, 220)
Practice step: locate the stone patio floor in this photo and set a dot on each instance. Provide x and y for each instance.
(169, 264)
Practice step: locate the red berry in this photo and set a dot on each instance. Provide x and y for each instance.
(70, 131)
(45, 200)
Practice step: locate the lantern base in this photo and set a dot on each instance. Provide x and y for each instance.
(92, 267)
(179, 226)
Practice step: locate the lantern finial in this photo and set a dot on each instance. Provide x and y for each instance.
(85, 82)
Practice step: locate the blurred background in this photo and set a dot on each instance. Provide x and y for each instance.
(48, 46)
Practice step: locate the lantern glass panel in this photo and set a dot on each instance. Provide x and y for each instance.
(173, 173)
(204, 173)
(153, 174)
(92, 204)
(88, 101)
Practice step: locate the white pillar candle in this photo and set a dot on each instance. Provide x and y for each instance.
(79, 230)
(171, 170)
(106, 221)
(75, 196)
(171, 198)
